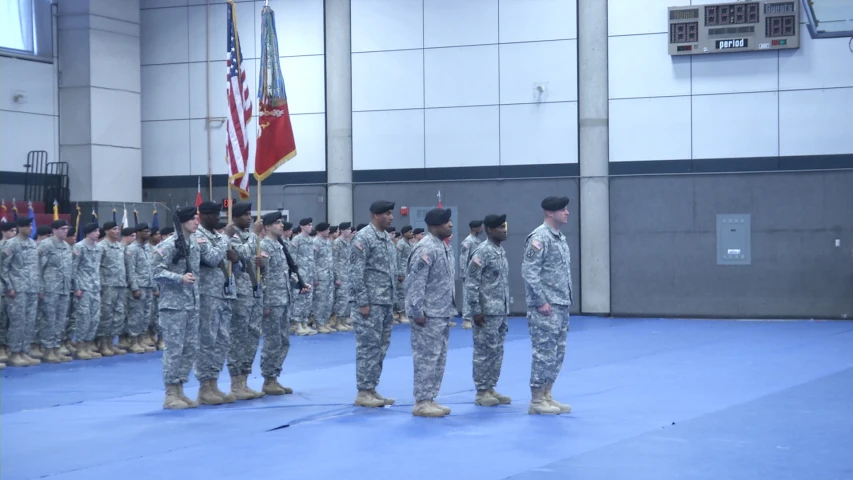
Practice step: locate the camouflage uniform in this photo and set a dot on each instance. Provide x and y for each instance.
(215, 307)
(21, 274)
(487, 293)
(324, 292)
(4, 318)
(341, 269)
(248, 310)
(55, 263)
(86, 277)
(404, 249)
(373, 261)
(430, 293)
(137, 261)
(154, 322)
(277, 286)
(113, 290)
(179, 309)
(465, 250)
(302, 250)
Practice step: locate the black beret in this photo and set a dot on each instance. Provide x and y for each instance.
(305, 221)
(58, 224)
(185, 214)
(391, 229)
(322, 227)
(167, 231)
(43, 230)
(553, 204)
(406, 229)
(71, 231)
(101, 233)
(475, 223)
(494, 221)
(271, 218)
(313, 232)
(344, 225)
(360, 226)
(155, 231)
(110, 225)
(333, 229)
(241, 208)
(418, 231)
(286, 226)
(220, 225)
(89, 228)
(208, 207)
(297, 230)
(437, 216)
(23, 221)
(126, 232)
(381, 206)
(6, 226)
(142, 226)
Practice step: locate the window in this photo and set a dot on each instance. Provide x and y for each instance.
(26, 29)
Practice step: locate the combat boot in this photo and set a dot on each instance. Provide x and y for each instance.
(62, 357)
(207, 395)
(444, 409)
(173, 400)
(17, 360)
(272, 387)
(503, 399)
(51, 357)
(186, 399)
(64, 350)
(386, 401)
(35, 351)
(161, 345)
(135, 346)
(146, 347)
(71, 346)
(366, 399)
(2, 365)
(426, 408)
(123, 342)
(309, 330)
(564, 407)
(323, 329)
(92, 349)
(4, 354)
(84, 354)
(32, 361)
(539, 404)
(240, 390)
(226, 397)
(466, 324)
(485, 399)
(404, 319)
(104, 347)
(114, 347)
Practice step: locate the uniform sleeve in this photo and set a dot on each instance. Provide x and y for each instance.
(75, 264)
(358, 260)
(43, 258)
(211, 253)
(417, 273)
(401, 258)
(163, 256)
(130, 267)
(463, 258)
(5, 272)
(473, 277)
(531, 269)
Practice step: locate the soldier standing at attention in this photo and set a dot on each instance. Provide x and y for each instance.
(374, 275)
(547, 273)
(216, 292)
(324, 282)
(86, 283)
(140, 299)
(404, 248)
(177, 272)
(302, 248)
(20, 278)
(248, 311)
(113, 287)
(55, 261)
(468, 245)
(341, 248)
(430, 304)
(155, 337)
(487, 292)
(8, 231)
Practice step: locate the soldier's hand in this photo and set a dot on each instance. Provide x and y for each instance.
(545, 309)
(338, 283)
(137, 294)
(364, 311)
(421, 321)
(78, 293)
(306, 289)
(188, 279)
(156, 293)
(259, 261)
(258, 227)
(479, 319)
(229, 230)
(231, 255)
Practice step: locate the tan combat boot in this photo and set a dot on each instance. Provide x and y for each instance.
(539, 404)
(426, 408)
(32, 361)
(135, 346)
(186, 399)
(50, 356)
(226, 397)
(207, 395)
(503, 399)
(485, 399)
(118, 350)
(272, 387)
(404, 319)
(323, 329)
(308, 330)
(240, 390)
(93, 349)
(123, 342)
(4, 354)
(444, 409)
(64, 350)
(466, 324)
(173, 401)
(366, 399)
(36, 351)
(84, 354)
(17, 360)
(564, 408)
(104, 347)
(386, 401)
(146, 346)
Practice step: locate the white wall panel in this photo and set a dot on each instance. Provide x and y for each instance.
(115, 60)
(736, 73)
(639, 66)
(22, 133)
(533, 20)
(199, 146)
(146, 4)
(119, 173)
(299, 25)
(632, 17)
(736, 126)
(388, 139)
(77, 125)
(524, 65)
(650, 129)
(310, 134)
(387, 80)
(815, 122)
(246, 21)
(34, 80)
(386, 25)
(165, 92)
(462, 137)
(105, 131)
(538, 134)
(454, 23)
(461, 76)
(126, 10)
(218, 84)
(821, 63)
(166, 148)
(305, 82)
(164, 36)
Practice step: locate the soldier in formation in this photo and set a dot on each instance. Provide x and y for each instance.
(324, 282)
(55, 261)
(465, 250)
(20, 278)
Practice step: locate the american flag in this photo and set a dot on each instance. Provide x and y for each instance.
(239, 111)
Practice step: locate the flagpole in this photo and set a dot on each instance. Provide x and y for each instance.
(258, 250)
(230, 222)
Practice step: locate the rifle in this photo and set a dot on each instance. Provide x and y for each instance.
(182, 250)
(291, 264)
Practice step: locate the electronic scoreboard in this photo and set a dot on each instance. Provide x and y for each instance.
(734, 27)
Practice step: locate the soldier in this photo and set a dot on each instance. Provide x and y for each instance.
(417, 235)
(166, 232)
(431, 303)
(113, 291)
(177, 272)
(277, 286)
(333, 233)
(128, 237)
(55, 261)
(8, 231)
(487, 293)
(86, 283)
(140, 295)
(374, 274)
(468, 245)
(20, 278)
(404, 248)
(155, 338)
(42, 232)
(547, 273)
(247, 314)
(324, 282)
(302, 249)
(342, 250)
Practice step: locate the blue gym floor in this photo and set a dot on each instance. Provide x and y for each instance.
(652, 398)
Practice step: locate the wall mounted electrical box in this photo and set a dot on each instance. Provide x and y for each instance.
(733, 239)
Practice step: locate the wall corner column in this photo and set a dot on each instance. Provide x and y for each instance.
(338, 58)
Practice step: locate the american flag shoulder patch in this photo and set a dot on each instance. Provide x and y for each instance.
(358, 245)
(426, 259)
(477, 260)
(536, 244)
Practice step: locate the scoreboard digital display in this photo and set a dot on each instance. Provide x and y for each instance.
(734, 27)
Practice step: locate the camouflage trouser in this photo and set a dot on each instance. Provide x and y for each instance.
(155, 316)
(548, 337)
(4, 319)
(68, 331)
(139, 311)
(400, 301)
(37, 334)
(342, 301)
(466, 310)
(54, 309)
(372, 338)
(112, 311)
(87, 312)
(302, 305)
(323, 300)
(245, 334)
(22, 311)
(429, 354)
(489, 351)
(180, 335)
(214, 336)
(276, 340)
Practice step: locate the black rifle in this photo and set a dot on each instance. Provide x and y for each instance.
(292, 265)
(182, 250)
